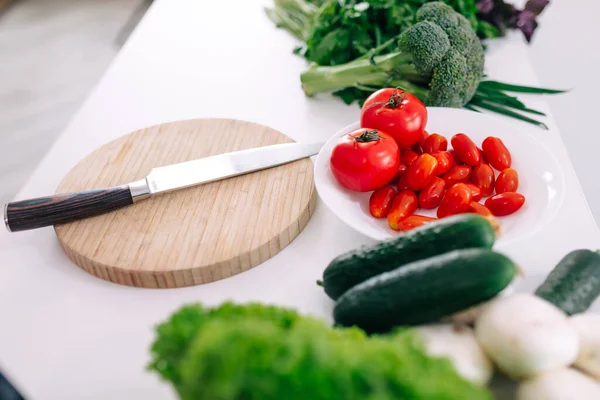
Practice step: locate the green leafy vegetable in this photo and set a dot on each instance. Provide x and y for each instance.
(355, 49)
(439, 59)
(262, 352)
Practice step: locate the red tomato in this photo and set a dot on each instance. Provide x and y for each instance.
(482, 157)
(416, 148)
(399, 173)
(402, 185)
(507, 181)
(505, 203)
(381, 201)
(435, 143)
(408, 156)
(365, 160)
(421, 172)
(457, 161)
(480, 209)
(431, 196)
(423, 137)
(396, 112)
(496, 153)
(413, 221)
(466, 149)
(475, 192)
(444, 160)
(456, 201)
(457, 174)
(403, 205)
(483, 177)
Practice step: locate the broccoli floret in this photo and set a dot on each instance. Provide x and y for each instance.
(439, 59)
(438, 13)
(257, 352)
(427, 44)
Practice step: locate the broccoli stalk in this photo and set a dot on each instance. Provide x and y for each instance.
(378, 71)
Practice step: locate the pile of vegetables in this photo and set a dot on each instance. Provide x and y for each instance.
(433, 52)
(447, 270)
(257, 352)
(426, 315)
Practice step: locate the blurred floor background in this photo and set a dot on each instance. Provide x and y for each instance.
(52, 53)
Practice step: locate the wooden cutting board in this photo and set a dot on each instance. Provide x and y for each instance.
(195, 235)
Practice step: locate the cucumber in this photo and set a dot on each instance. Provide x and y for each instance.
(574, 283)
(453, 233)
(425, 291)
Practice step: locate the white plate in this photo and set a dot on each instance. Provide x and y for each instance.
(541, 179)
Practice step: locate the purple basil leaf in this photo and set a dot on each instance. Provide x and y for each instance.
(536, 6)
(485, 6)
(526, 23)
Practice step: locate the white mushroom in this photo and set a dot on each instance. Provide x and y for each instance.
(559, 384)
(526, 336)
(588, 328)
(459, 345)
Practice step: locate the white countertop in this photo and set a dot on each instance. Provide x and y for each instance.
(68, 335)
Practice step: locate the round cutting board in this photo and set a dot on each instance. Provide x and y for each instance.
(194, 235)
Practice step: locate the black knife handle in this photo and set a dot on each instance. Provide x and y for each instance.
(45, 211)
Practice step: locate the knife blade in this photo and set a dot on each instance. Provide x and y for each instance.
(60, 208)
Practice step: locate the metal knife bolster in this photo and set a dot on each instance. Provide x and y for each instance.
(139, 190)
(6, 217)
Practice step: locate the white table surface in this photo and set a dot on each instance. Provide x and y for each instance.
(65, 334)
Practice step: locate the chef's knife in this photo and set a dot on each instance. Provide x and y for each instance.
(45, 211)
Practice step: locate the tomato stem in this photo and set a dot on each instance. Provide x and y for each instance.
(395, 100)
(368, 136)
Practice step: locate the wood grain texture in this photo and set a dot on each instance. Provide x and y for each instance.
(195, 235)
(66, 207)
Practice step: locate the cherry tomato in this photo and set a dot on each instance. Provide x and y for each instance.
(381, 201)
(457, 161)
(483, 177)
(365, 160)
(444, 160)
(396, 112)
(466, 149)
(482, 210)
(457, 174)
(475, 192)
(402, 185)
(431, 196)
(496, 153)
(435, 143)
(456, 201)
(413, 221)
(401, 171)
(403, 205)
(418, 147)
(421, 172)
(507, 181)
(483, 158)
(423, 137)
(505, 203)
(408, 156)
